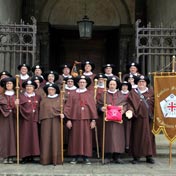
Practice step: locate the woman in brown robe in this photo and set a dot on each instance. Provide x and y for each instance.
(142, 139)
(114, 131)
(29, 117)
(7, 121)
(80, 111)
(50, 143)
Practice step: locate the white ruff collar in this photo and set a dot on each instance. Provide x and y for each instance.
(141, 91)
(125, 92)
(24, 77)
(9, 92)
(53, 96)
(87, 73)
(134, 86)
(112, 92)
(70, 88)
(65, 76)
(29, 95)
(81, 90)
(108, 74)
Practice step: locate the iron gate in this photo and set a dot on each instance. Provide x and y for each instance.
(17, 45)
(155, 47)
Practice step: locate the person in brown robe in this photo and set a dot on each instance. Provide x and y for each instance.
(133, 69)
(80, 111)
(39, 90)
(4, 74)
(88, 68)
(142, 139)
(7, 121)
(64, 72)
(125, 88)
(38, 70)
(51, 77)
(24, 76)
(114, 131)
(29, 117)
(50, 114)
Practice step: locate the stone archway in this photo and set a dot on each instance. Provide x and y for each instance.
(112, 15)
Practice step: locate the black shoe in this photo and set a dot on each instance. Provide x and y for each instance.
(106, 161)
(135, 160)
(119, 161)
(74, 161)
(86, 161)
(150, 160)
(24, 161)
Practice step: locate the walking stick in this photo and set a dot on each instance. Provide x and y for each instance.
(62, 133)
(120, 76)
(17, 119)
(96, 132)
(104, 116)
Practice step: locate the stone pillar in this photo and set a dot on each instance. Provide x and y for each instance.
(126, 46)
(43, 44)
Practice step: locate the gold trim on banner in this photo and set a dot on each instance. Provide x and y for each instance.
(164, 88)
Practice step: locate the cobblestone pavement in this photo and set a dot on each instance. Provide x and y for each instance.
(160, 168)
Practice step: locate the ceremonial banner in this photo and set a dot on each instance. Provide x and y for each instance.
(165, 106)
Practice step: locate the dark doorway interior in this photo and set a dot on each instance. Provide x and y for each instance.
(66, 47)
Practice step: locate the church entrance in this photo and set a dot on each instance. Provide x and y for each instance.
(66, 47)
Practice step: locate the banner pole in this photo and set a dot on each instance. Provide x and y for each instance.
(170, 154)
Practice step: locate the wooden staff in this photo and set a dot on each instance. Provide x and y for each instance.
(104, 116)
(173, 63)
(120, 76)
(62, 130)
(17, 119)
(96, 132)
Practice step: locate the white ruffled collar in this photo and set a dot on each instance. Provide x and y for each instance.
(112, 92)
(141, 91)
(52, 96)
(81, 90)
(9, 92)
(125, 92)
(70, 88)
(87, 73)
(24, 77)
(29, 95)
(108, 75)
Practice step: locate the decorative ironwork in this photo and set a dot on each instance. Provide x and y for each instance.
(155, 46)
(17, 45)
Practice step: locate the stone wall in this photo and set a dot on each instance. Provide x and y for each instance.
(161, 11)
(10, 11)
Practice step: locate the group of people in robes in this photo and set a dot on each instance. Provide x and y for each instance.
(82, 108)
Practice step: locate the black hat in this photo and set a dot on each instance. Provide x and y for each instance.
(108, 65)
(56, 76)
(142, 77)
(37, 67)
(127, 84)
(65, 66)
(88, 80)
(5, 80)
(130, 76)
(5, 73)
(132, 64)
(69, 77)
(24, 65)
(37, 78)
(29, 82)
(100, 75)
(113, 79)
(83, 64)
(55, 86)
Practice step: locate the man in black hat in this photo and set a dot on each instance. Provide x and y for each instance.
(108, 70)
(64, 72)
(4, 74)
(132, 69)
(24, 69)
(38, 70)
(88, 67)
(80, 111)
(140, 109)
(51, 77)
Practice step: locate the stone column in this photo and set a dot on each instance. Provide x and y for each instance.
(126, 46)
